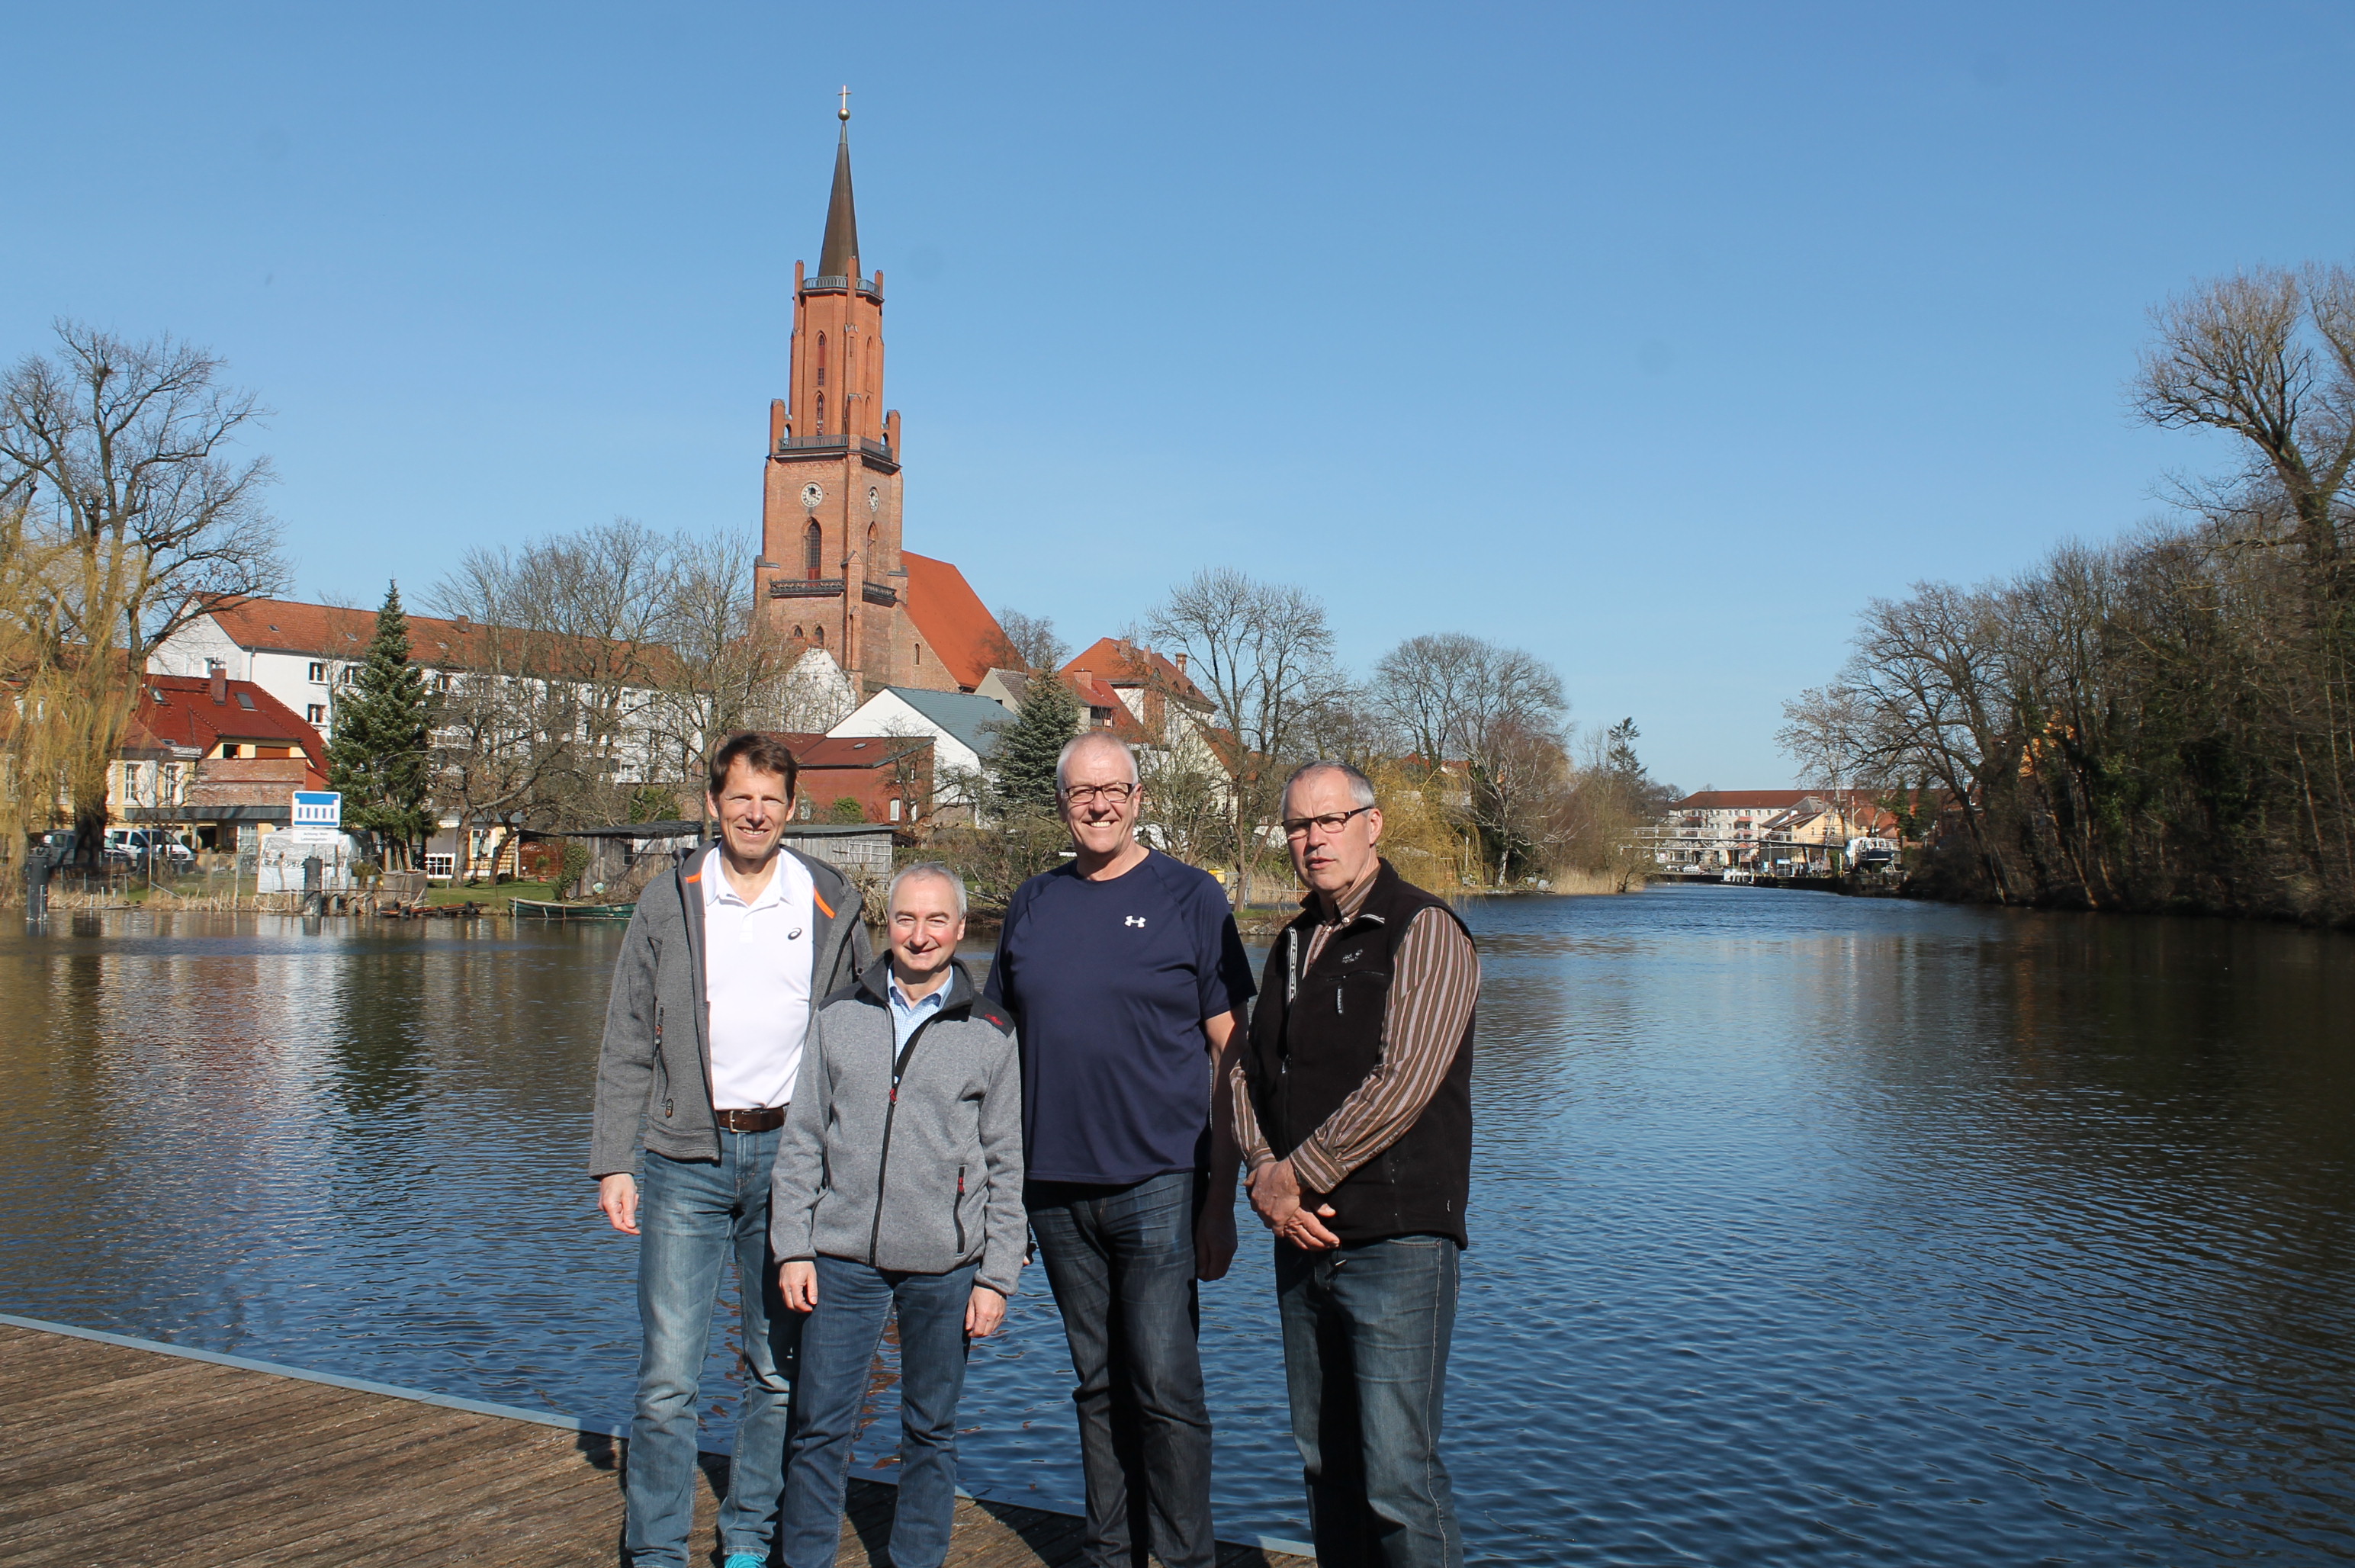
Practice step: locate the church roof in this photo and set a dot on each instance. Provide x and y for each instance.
(953, 619)
(838, 256)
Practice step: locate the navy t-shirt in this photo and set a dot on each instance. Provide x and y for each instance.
(1109, 983)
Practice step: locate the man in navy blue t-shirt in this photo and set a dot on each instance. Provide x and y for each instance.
(1127, 981)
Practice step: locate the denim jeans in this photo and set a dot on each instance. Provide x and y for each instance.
(1366, 1330)
(838, 1353)
(1121, 1262)
(692, 1217)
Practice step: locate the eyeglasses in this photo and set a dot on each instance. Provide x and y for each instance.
(1298, 826)
(1088, 794)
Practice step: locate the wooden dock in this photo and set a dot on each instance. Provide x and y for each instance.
(115, 1452)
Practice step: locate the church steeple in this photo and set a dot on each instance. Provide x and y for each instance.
(829, 569)
(838, 256)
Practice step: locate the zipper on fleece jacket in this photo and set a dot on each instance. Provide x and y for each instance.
(883, 1159)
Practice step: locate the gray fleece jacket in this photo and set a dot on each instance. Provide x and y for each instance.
(654, 1071)
(905, 1159)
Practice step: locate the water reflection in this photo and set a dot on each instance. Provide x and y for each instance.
(1805, 1229)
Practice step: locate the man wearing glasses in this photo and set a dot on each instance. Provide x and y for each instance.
(1353, 1105)
(1126, 980)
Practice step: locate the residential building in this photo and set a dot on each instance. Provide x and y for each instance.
(221, 756)
(964, 728)
(888, 778)
(1716, 829)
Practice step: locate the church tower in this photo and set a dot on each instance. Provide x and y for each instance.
(830, 570)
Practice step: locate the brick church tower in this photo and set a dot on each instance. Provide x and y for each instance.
(831, 571)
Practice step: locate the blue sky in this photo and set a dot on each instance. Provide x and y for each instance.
(1654, 339)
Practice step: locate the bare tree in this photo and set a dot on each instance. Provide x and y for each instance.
(1456, 698)
(1262, 653)
(118, 456)
(2269, 355)
(728, 667)
(1031, 643)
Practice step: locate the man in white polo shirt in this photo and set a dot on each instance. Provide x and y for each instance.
(719, 973)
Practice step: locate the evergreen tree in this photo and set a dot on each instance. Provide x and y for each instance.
(1029, 745)
(378, 757)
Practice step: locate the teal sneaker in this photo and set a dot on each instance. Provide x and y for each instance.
(746, 1560)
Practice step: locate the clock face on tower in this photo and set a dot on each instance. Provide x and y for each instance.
(874, 498)
(812, 494)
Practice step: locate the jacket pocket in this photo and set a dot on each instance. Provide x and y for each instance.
(957, 1210)
(662, 1066)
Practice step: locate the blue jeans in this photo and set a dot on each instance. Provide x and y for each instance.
(692, 1216)
(1366, 1330)
(838, 1353)
(1121, 1262)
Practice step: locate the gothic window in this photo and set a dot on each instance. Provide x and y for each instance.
(820, 638)
(813, 553)
(797, 632)
(821, 359)
(821, 413)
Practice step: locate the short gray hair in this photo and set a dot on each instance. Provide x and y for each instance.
(1095, 738)
(925, 869)
(1361, 788)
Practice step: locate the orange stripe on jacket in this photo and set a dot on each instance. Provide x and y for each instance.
(819, 898)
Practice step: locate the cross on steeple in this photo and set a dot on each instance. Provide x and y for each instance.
(846, 100)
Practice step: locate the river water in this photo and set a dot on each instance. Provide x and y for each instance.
(1804, 1230)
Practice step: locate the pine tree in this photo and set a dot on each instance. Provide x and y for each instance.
(1028, 746)
(378, 757)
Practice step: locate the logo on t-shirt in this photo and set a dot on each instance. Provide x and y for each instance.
(1134, 919)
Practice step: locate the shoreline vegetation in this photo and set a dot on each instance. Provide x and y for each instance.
(2164, 723)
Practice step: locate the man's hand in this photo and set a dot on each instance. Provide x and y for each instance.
(797, 1282)
(617, 1196)
(1276, 1199)
(1214, 1238)
(985, 1309)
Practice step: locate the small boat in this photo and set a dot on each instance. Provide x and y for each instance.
(1737, 875)
(540, 909)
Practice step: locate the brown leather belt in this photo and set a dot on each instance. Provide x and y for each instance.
(766, 1119)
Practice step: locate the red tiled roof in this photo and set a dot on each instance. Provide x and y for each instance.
(179, 711)
(812, 750)
(287, 625)
(1095, 692)
(953, 619)
(1124, 662)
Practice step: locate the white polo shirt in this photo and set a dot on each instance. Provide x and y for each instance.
(756, 981)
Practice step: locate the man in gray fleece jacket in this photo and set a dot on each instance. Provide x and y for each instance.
(899, 1183)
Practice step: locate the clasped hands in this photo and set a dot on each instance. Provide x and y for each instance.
(1276, 1199)
(985, 1309)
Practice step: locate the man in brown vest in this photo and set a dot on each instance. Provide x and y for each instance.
(1353, 1105)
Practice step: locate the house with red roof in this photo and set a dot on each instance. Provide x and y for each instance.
(223, 757)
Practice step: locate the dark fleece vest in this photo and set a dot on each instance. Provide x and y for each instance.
(1317, 1034)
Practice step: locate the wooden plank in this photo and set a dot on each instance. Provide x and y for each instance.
(257, 1478)
(117, 1454)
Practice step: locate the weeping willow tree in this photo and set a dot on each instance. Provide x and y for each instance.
(127, 516)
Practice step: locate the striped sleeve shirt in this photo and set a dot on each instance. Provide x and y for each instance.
(1434, 981)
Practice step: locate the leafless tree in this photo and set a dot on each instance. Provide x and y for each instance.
(1031, 643)
(2269, 355)
(119, 460)
(1456, 698)
(1262, 653)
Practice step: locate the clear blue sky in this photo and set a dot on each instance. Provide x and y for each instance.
(1654, 339)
